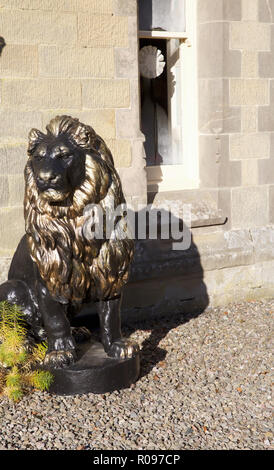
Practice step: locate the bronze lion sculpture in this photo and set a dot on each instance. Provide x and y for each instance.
(56, 269)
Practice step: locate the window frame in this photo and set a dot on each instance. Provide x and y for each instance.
(162, 178)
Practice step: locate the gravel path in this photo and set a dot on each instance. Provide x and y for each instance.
(205, 384)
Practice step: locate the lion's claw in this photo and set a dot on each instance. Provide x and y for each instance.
(123, 349)
(80, 334)
(60, 359)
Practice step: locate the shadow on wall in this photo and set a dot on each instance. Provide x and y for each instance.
(2, 44)
(164, 284)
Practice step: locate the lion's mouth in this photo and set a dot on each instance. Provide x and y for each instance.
(54, 196)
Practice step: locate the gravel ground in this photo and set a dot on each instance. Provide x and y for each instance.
(205, 384)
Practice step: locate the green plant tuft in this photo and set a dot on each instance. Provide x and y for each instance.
(17, 364)
(41, 379)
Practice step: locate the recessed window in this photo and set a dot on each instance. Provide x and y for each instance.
(168, 85)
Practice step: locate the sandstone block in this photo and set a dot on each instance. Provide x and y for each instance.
(102, 120)
(12, 228)
(121, 151)
(73, 62)
(266, 11)
(250, 36)
(249, 146)
(250, 10)
(16, 186)
(4, 190)
(90, 6)
(19, 61)
(15, 125)
(41, 94)
(13, 159)
(249, 64)
(249, 92)
(249, 172)
(249, 206)
(249, 119)
(104, 30)
(38, 27)
(106, 93)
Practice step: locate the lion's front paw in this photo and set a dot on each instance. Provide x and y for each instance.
(60, 359)
(122, 349)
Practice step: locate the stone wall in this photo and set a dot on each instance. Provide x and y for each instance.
(80, 57)
(77, 57)
(236, 76)
(234, 261)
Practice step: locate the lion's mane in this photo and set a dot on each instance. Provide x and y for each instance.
(75, 268)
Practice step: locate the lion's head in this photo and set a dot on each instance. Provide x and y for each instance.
(68, 168)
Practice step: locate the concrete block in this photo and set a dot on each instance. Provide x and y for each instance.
(38, 27)
(41, 94)
(249, 146)
(249, 92)
(74, 62)
(249, 207)
(19, 61)
(104, 30)
(250, 36)
(106, 93)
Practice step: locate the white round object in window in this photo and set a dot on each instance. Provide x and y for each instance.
(151, 62)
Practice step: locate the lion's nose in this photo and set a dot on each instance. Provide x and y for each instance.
(48, 176)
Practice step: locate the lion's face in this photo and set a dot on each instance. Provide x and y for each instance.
(58, 168)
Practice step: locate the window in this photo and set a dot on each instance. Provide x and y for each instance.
(168, 92)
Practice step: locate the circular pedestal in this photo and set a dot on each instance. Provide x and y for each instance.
(95, 372)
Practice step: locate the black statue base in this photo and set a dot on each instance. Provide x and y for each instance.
(95, 372)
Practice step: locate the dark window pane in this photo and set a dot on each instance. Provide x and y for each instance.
(166, 15)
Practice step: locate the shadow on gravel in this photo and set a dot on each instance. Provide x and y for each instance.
(178, 272)
(151, 353)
